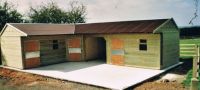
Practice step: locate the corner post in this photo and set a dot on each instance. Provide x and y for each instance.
(195, 73)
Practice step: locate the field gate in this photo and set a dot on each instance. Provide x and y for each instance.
(192, 50)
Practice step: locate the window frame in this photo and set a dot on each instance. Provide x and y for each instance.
(55, 44)
(143, 45)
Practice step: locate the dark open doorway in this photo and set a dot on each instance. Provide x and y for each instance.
(102, 48)
(95, 48)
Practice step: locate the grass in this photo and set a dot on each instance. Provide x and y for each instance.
(190, 41)
(187, 81)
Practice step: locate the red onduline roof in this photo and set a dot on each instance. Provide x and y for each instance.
(140, 26)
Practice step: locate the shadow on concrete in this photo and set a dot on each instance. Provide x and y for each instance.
(70, 66)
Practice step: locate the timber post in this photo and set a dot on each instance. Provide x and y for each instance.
(195, 71)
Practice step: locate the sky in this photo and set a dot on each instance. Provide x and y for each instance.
(124, 10)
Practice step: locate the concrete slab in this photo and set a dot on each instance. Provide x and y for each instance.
(104, 75)
(69, 66)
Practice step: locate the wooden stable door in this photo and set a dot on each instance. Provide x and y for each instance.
(52, 51)
(117, 51)
(32, 56)
(74, 49)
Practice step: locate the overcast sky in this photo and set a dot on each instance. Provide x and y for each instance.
(123, 10)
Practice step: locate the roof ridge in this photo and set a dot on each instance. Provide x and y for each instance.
(39, 24)
(91, 28)
(123, 21)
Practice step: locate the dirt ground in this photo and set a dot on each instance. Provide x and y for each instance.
(174, 81)
(13, 80)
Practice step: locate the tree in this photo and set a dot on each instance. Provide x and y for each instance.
(47, 14)
(8, 14)
(53, 14)
(196, 3)
(77, 13)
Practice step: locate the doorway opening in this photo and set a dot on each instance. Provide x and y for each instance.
(95, 48)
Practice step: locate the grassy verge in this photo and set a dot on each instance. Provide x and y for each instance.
(190, 41)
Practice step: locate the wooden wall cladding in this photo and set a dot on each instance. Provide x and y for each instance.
(30, 46)
(74, 43)
(117, 60)
(74, 56)
(32, 62)
(117, 43)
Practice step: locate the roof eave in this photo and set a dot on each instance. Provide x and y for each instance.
(7, 24)
(157, 29)
(3, 29)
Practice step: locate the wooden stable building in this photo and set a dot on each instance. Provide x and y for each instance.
(143, 43)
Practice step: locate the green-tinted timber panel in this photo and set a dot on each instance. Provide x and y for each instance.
(48, 55)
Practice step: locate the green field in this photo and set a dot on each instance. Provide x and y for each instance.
(190, 41)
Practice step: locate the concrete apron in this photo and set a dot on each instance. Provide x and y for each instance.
(103, 75)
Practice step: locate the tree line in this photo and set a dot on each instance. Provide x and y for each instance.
(49, 13)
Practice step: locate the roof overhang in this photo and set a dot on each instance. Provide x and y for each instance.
(7, 24)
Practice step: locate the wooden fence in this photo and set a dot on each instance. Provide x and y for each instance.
(187, 50)
(192, 50)
(195, 74)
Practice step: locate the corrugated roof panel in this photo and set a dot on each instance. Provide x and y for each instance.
(142, 26)
(45, 29)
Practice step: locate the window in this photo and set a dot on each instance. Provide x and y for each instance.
(143, 45)
(55, 44)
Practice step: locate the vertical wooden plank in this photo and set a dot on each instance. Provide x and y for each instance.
(194, 80)
(195, 60)
(198, 57)
(194, 84)
(194, 67)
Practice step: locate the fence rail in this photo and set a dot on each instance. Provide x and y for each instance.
(187, 50)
